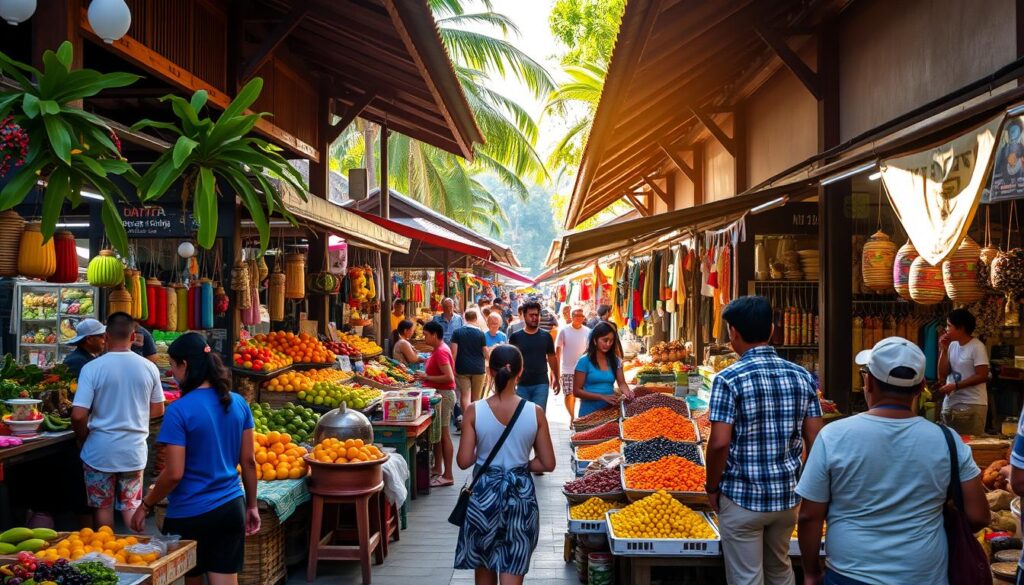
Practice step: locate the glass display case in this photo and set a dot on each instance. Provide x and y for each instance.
(45, 316)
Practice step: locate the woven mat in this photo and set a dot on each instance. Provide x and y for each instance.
(283, 496)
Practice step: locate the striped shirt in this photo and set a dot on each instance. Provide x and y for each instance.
(766, 399)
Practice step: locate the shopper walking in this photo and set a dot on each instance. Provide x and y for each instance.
(502, 525)
(538, 351)
(118, 393)
(764, 409)
(448, 320)
(207, 435)
(439, 373)
(885, 521)
(89, 342)
(494, 335)
(467, 347)
(570, 344)
(598, 371)
(963, 363)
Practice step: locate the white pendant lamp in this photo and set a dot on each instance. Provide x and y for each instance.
(110, 19)
(17, 11)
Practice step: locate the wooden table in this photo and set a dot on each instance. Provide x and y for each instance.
(36, 448)
(402, 436)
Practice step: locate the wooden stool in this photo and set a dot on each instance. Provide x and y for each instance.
(368, 532)
(390, 515)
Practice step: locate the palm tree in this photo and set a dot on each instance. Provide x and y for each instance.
(444, 181)
(583, 88)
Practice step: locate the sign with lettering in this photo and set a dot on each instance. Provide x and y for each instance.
(157, 220)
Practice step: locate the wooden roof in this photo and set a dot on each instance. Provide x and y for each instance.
(382, 60)
(673, 57)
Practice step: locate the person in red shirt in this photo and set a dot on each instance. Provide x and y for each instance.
(439, 374)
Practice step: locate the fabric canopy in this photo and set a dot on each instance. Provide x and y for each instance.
(935, 192)
(342, 222)
(427, 232)
(506, 271)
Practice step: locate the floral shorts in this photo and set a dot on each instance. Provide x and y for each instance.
(99, 488)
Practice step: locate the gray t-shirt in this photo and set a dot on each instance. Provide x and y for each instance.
(885, 482)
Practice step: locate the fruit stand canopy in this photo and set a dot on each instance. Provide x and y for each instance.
(427, 232)
(342, 222)
(506, 271)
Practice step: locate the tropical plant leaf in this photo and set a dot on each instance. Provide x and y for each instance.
(147, 123)
(30, 105)
(57, 189)
(245, 98)
(17, 188)
(182, 149)
(60, 138)
(66, 54)
(198, 100)
(112, 223)
(205, 207)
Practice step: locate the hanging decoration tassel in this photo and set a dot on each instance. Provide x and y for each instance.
(240, 284)
(251, 315)
(206, 302)
(181, 294)
(171, 296)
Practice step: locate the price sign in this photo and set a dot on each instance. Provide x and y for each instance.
(344, 363)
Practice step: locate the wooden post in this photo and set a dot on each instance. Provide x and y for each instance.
(385, 261)
(54, 22)
(835, 303)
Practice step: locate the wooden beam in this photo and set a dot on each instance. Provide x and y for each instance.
(791, 60)
(272, 41)
(679, 162)
(636, 203)
(658, 190)
(350, 114)
(728, 143)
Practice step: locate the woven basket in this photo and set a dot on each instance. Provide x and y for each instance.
(901, 269)
(926, 286)
(877, 260)
(960, 273)
(1008, 271)
(11, 228)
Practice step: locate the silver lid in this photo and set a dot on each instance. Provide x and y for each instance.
(343, 423)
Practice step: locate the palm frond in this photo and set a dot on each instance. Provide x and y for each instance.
(499, 56)
(494, 19)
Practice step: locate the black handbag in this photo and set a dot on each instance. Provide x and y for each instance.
(968, 564)
(458, 515)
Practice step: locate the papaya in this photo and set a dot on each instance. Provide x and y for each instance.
(16, 535)
(44, 533)
(31, 545)
(7, 548)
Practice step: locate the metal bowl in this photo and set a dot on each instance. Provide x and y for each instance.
(343, 423)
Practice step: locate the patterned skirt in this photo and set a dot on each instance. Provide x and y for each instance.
(502, 523)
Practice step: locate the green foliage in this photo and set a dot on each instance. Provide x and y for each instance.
(68, 148)
(531, 224)
(580, 93)
(208, 150)
(588, 28)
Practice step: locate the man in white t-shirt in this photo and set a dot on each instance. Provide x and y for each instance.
(963, 362)
(118, 393)
(570, 344)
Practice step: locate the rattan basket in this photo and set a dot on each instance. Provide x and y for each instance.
(11, 228)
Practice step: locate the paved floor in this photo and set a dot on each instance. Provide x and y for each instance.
(426, 553)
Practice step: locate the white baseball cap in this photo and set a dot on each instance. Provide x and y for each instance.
(892, 353)
(86, 328)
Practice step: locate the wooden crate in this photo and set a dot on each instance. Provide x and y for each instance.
(168, 568)
(278, 399)
(985, 450)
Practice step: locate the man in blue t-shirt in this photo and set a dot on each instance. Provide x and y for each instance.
(467, 346)
(448, 320)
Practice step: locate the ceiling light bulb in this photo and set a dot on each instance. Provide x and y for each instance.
(109, 19)
(17, 11)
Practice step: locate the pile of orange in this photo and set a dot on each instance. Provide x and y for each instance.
(659, 422)
(302, 348)
(347, 451)
(672, 473)
(290, 382)
(278, 458)
(103, 540)
(592, 452)
(327, 375)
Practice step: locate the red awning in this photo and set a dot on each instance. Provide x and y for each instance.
(506, 271)
(428, 232)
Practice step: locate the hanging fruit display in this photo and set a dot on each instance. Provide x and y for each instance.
(361, 288)
(295, 276)
(960, 273)
(926, 286)
(119, 301)
(67, 258)
(901, 269)
(275, 295)
(877, 261)
(105, 270)
(11, 228)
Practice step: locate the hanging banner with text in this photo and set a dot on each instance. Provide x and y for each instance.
(935, 192)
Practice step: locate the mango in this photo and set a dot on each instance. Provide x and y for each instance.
(16, 535)
(7, 548)
(44, 533)
(31, 545)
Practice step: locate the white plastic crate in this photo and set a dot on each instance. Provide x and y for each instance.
(664, 547)
(794, 548)
(584, 526)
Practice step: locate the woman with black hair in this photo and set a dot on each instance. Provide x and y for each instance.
(502, 524)
(963, 363)
(207, 434)
(403, 350)
(599, 370)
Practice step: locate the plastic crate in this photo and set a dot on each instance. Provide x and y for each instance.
(584, 526)
(664, 547)
(794, 548)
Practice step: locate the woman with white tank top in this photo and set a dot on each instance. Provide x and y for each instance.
(502, 522)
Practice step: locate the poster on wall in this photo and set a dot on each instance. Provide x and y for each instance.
(1008, 167)
(337, 255)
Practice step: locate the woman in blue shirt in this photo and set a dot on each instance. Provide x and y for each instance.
(207, 435)
(599, 370)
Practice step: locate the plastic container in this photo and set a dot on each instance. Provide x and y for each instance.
(584, 526)
(665, 547)
(599, 569)
(1009, 426)
(402, 406)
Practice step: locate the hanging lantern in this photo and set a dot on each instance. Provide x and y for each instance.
(15, 12)
(295, 276)
(240, 284)
(181, 295)
(275, 295)
(11, 228)
(877, 260)
(132, 283)
(105, 270)
(171, 294)
(36, 259)
(206, 304)
(901, 269)
(186, 250)
(160, 319)
(1008, 271)
(960, 273)
(109, 19)
(119, 301)
(149, 301)
(926, 286)
(220, 300)
(67, 258)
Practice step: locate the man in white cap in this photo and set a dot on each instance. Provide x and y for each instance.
(89, 342)
(880, 479)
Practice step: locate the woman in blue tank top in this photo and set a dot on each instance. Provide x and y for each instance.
(599, 370)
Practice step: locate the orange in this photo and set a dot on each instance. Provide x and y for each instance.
(352, 453)
(341, 460)
(269, 475)
(261, 457)
(295, 473)
(106, 530)
(131, 540)
(150, 557)
(277, 448)
(86, 532)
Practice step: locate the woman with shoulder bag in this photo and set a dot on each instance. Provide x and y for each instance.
(502, 519)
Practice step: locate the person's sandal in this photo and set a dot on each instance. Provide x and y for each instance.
(440, 481)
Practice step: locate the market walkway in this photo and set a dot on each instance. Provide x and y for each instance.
(426, 553)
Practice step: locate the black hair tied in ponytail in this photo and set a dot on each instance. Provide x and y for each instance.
(506, 363)
(202, 367)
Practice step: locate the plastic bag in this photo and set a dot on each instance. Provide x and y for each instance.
(106, 560)
(396, 473)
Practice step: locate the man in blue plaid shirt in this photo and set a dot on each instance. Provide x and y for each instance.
(764, 410)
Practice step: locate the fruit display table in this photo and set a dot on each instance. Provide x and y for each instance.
(403, 436)
(47, 444)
